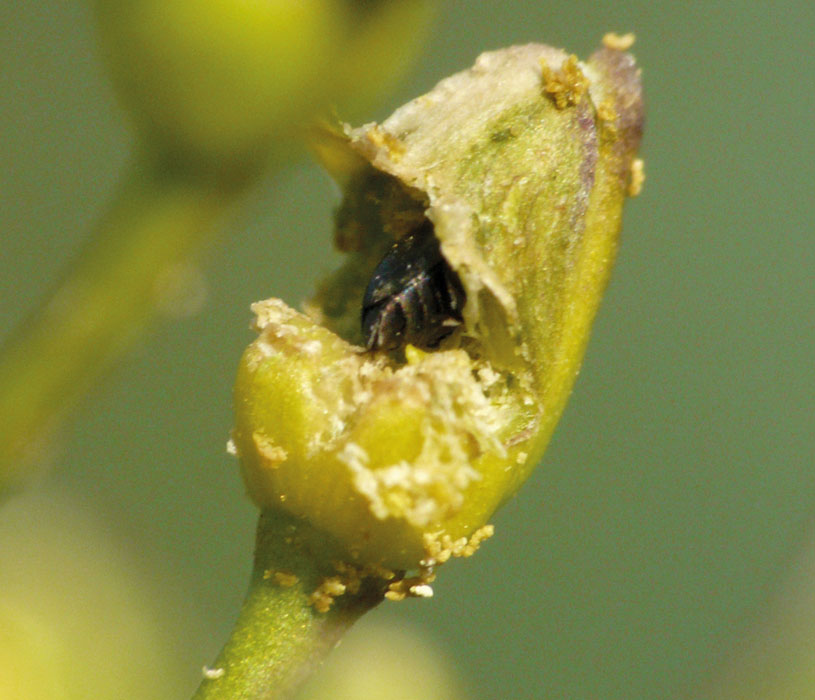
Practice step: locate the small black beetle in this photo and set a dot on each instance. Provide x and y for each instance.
(413, 297)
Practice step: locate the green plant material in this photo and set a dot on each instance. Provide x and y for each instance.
(131, 270)
(219, 80)
(288, 622)
(216, 89)
(771, 656)
(79, 618)
(406, 665)
(522, 164)
(30, 656)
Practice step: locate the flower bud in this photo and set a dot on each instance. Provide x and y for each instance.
(519, 166)
(217, 79)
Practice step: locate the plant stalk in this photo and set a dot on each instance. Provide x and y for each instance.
(280, 637)
(161, 219)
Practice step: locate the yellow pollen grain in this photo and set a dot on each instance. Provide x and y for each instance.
(620, 42)
(566, 85)
(412, 587)
(383, 139)
(606, 112)
(282, 578)
(349, 579)
(323, 598)
(481, 534)
(285, 579)
(272, 455)
(637, 177)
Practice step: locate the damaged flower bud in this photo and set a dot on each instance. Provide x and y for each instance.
(518, 167)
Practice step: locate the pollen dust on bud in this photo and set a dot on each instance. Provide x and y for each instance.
(383, 139)
(439, 548)
(330, 588)
(284, 579)
(348, 579)
(271, 455)
(412, 587)
(607, 116)
(566, 85)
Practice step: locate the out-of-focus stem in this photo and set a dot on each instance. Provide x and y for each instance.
(280, 638)
(161, 218)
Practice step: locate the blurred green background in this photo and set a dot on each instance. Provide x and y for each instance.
(679, 485)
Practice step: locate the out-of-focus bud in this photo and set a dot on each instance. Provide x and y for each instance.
(520, 166)
(218, 79)
(77, 618)
(406, 665)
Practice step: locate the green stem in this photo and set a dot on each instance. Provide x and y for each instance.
(280, 638)
(161, 219)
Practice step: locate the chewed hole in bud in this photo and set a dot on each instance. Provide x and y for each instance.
(414, 296)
